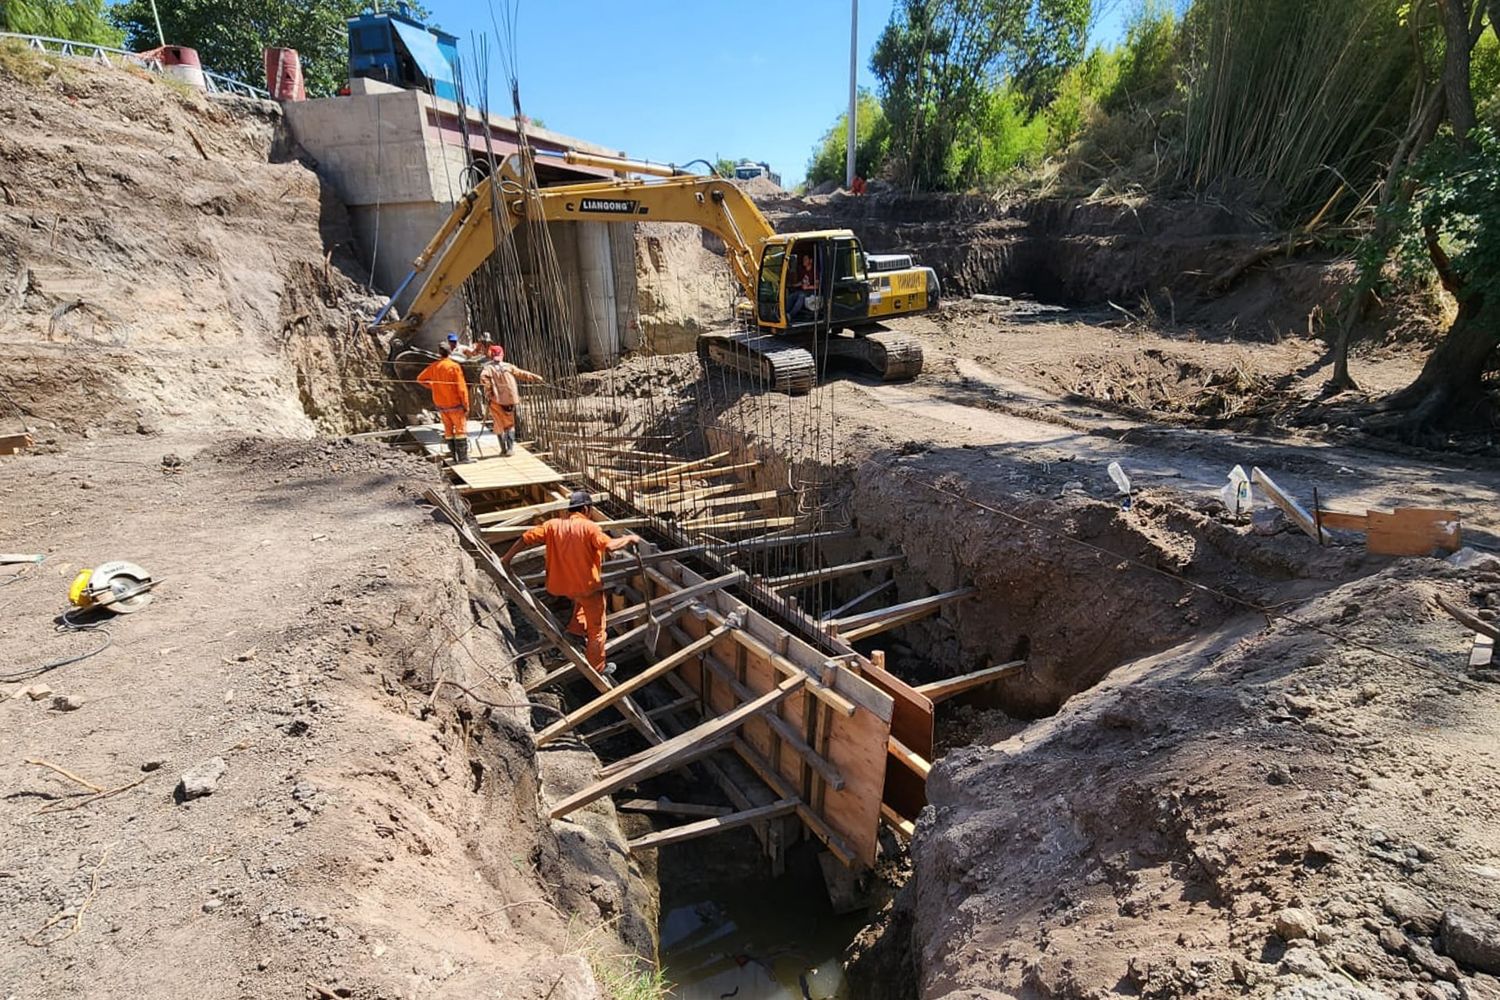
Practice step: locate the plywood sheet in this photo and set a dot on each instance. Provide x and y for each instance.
(1412, 531)
(520, 468)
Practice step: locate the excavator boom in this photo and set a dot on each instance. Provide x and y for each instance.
(780, 313)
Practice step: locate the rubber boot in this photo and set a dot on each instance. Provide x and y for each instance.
(461, 449)
(510, 440)
(452, 444)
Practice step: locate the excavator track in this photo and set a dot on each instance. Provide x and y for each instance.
(772, 362)
(895, 356)
(889, 355)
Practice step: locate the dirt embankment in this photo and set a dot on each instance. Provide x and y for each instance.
(683, 285)
(1208, 263)
(158, 272)
(361, 840)
(1302, 810)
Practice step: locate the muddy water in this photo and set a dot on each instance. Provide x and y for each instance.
(754, 938)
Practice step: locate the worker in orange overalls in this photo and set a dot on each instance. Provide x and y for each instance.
(498, 378)
(450, 397)
(575, 556)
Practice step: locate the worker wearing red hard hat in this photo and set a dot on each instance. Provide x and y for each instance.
(498, 378)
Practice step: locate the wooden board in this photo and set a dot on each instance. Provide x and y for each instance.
(10, 444)
(905, 793)
(520, 468)
(1287, 503)
(854, 742)
(1412, 531)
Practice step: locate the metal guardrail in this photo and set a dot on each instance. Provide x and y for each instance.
(214, 83)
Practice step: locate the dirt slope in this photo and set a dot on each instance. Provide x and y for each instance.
(356, 841)
(1156, 836)
(156, 270)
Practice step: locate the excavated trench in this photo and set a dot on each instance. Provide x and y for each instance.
(1073, 585)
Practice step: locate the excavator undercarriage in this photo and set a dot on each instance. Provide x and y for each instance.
(792, 363)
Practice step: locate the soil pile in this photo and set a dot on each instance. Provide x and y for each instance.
(1298, 810)
(291, 813)
(157, 271)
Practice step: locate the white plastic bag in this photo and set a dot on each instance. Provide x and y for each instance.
(1237, 496)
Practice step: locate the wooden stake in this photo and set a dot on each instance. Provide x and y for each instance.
(1289, 504)
(905, 828)
(667, 807)
(681, 749)
(718, 824)
(948, 687)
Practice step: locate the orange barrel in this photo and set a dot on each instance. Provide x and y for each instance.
(180, 63)
(284, 75)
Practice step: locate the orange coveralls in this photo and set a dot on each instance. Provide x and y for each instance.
(450, 395)
(575, 551)
(499, 380)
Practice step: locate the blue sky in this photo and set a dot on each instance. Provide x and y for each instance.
(674, 80)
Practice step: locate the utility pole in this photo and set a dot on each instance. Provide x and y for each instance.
(161, 38)
(853, 93)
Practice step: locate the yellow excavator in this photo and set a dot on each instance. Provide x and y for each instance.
(803, 292)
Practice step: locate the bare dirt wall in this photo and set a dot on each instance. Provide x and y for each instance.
(156, 270)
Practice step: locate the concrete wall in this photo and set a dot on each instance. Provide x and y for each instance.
(399, 176)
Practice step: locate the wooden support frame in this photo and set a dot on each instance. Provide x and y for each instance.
(667, 807)
(718, 824)
(788, 733)
(681, 749)
(951, 686)
(809, 577)
(776, 541)
(904, 828)
(539, 616)
(615, 728)
(871, 622)
(510, 532)
(919, 764)
(624, 688)
(722, 525)
(862, 598)
(515, 515)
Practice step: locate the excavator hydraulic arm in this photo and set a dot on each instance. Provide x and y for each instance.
(484, 216)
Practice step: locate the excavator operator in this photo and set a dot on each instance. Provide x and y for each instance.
(806, 286)
(450, 397)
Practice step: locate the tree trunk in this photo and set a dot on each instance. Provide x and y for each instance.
(1452, 380)
(1457, 46)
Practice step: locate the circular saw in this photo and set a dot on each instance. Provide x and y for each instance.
(120, 587)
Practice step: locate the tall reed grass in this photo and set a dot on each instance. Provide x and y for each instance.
(1294, 102)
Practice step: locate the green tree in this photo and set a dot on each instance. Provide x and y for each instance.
(872, 140)
(939, 62)
(724, 167)
(230, 35)
(73, 20)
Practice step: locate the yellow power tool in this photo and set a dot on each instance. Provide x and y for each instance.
(120, 587)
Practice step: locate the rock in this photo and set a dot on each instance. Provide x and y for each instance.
(1393, 941)
(1303, 960)
(212, 905)
(1279, 775)
(1293, 923)
(201, 779)
(1410, 910)
(38, 691)
(154, 764)
(1268, 521)
(66, 703)
(1472, 938)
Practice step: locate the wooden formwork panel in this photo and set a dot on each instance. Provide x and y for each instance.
(843, 717)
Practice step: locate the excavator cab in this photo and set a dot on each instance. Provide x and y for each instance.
(839, 296)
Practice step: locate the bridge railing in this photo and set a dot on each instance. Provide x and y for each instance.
(214, 83)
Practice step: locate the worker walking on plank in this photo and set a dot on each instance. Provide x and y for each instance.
(498, 378)
(450, 397)
(575, 556)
